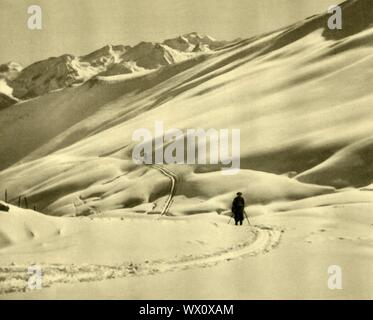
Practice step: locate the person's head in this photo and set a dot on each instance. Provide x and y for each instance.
(239, 194)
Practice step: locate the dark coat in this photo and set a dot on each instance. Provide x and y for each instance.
(238, 207)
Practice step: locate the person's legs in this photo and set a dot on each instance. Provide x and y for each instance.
(240, 218)
(236, 222)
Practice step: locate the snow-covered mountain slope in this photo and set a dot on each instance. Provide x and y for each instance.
(351, 166)
(67, 70)
(300, 96)
(8, 72)
(105, 56)
(5, 89)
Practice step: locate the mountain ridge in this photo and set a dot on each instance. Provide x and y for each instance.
(68, 70)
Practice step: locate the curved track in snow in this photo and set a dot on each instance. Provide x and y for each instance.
(173, 178)
(14, 278)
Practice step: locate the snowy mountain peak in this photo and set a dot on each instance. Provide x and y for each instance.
(196, 35)
(10, 70)
(194, 42)
(106, 55)
(11, 66)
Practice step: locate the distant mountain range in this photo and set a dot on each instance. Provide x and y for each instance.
(68, 70)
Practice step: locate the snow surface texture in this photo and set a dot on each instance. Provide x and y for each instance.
(166, 246)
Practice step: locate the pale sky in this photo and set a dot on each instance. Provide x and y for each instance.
(81, 26)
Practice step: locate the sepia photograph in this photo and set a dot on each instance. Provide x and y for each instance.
(186, 150)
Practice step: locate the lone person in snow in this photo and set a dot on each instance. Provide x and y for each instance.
(238, 207)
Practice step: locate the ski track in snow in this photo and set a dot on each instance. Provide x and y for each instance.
(14, 278)
(173, 178)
